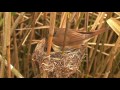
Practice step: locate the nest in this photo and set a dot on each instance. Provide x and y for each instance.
(58, 64)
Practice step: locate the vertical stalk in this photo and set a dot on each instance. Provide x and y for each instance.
(17, 22)
(31, 37)
(16, 51)
(86, 25)
(3, 51)
(51, 31)
(7, 16)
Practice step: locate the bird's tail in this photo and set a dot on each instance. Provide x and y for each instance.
(97, 32)
(90, 35)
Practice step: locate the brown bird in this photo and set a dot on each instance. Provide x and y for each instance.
(74, 38)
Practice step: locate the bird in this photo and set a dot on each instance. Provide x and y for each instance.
(74, 38)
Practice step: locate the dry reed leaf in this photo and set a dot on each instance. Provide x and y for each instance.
(29, 18)
(14, 71)
(98, 20)
(40, 27)
(118, 13)
(114, 24)
(63, 20)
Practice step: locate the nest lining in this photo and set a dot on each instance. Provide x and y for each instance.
(57, 64)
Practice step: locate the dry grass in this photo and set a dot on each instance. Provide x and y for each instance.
(21, 31)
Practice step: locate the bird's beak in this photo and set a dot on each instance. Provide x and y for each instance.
(56, 48)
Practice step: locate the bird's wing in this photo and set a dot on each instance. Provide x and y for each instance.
(75, 37)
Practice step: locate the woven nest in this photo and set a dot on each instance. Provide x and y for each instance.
(58, 65)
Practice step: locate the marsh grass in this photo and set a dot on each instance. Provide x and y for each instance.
(21, 31)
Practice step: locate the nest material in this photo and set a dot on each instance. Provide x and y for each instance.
(58, 65)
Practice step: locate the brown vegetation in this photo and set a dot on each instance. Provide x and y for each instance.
(27, 50)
